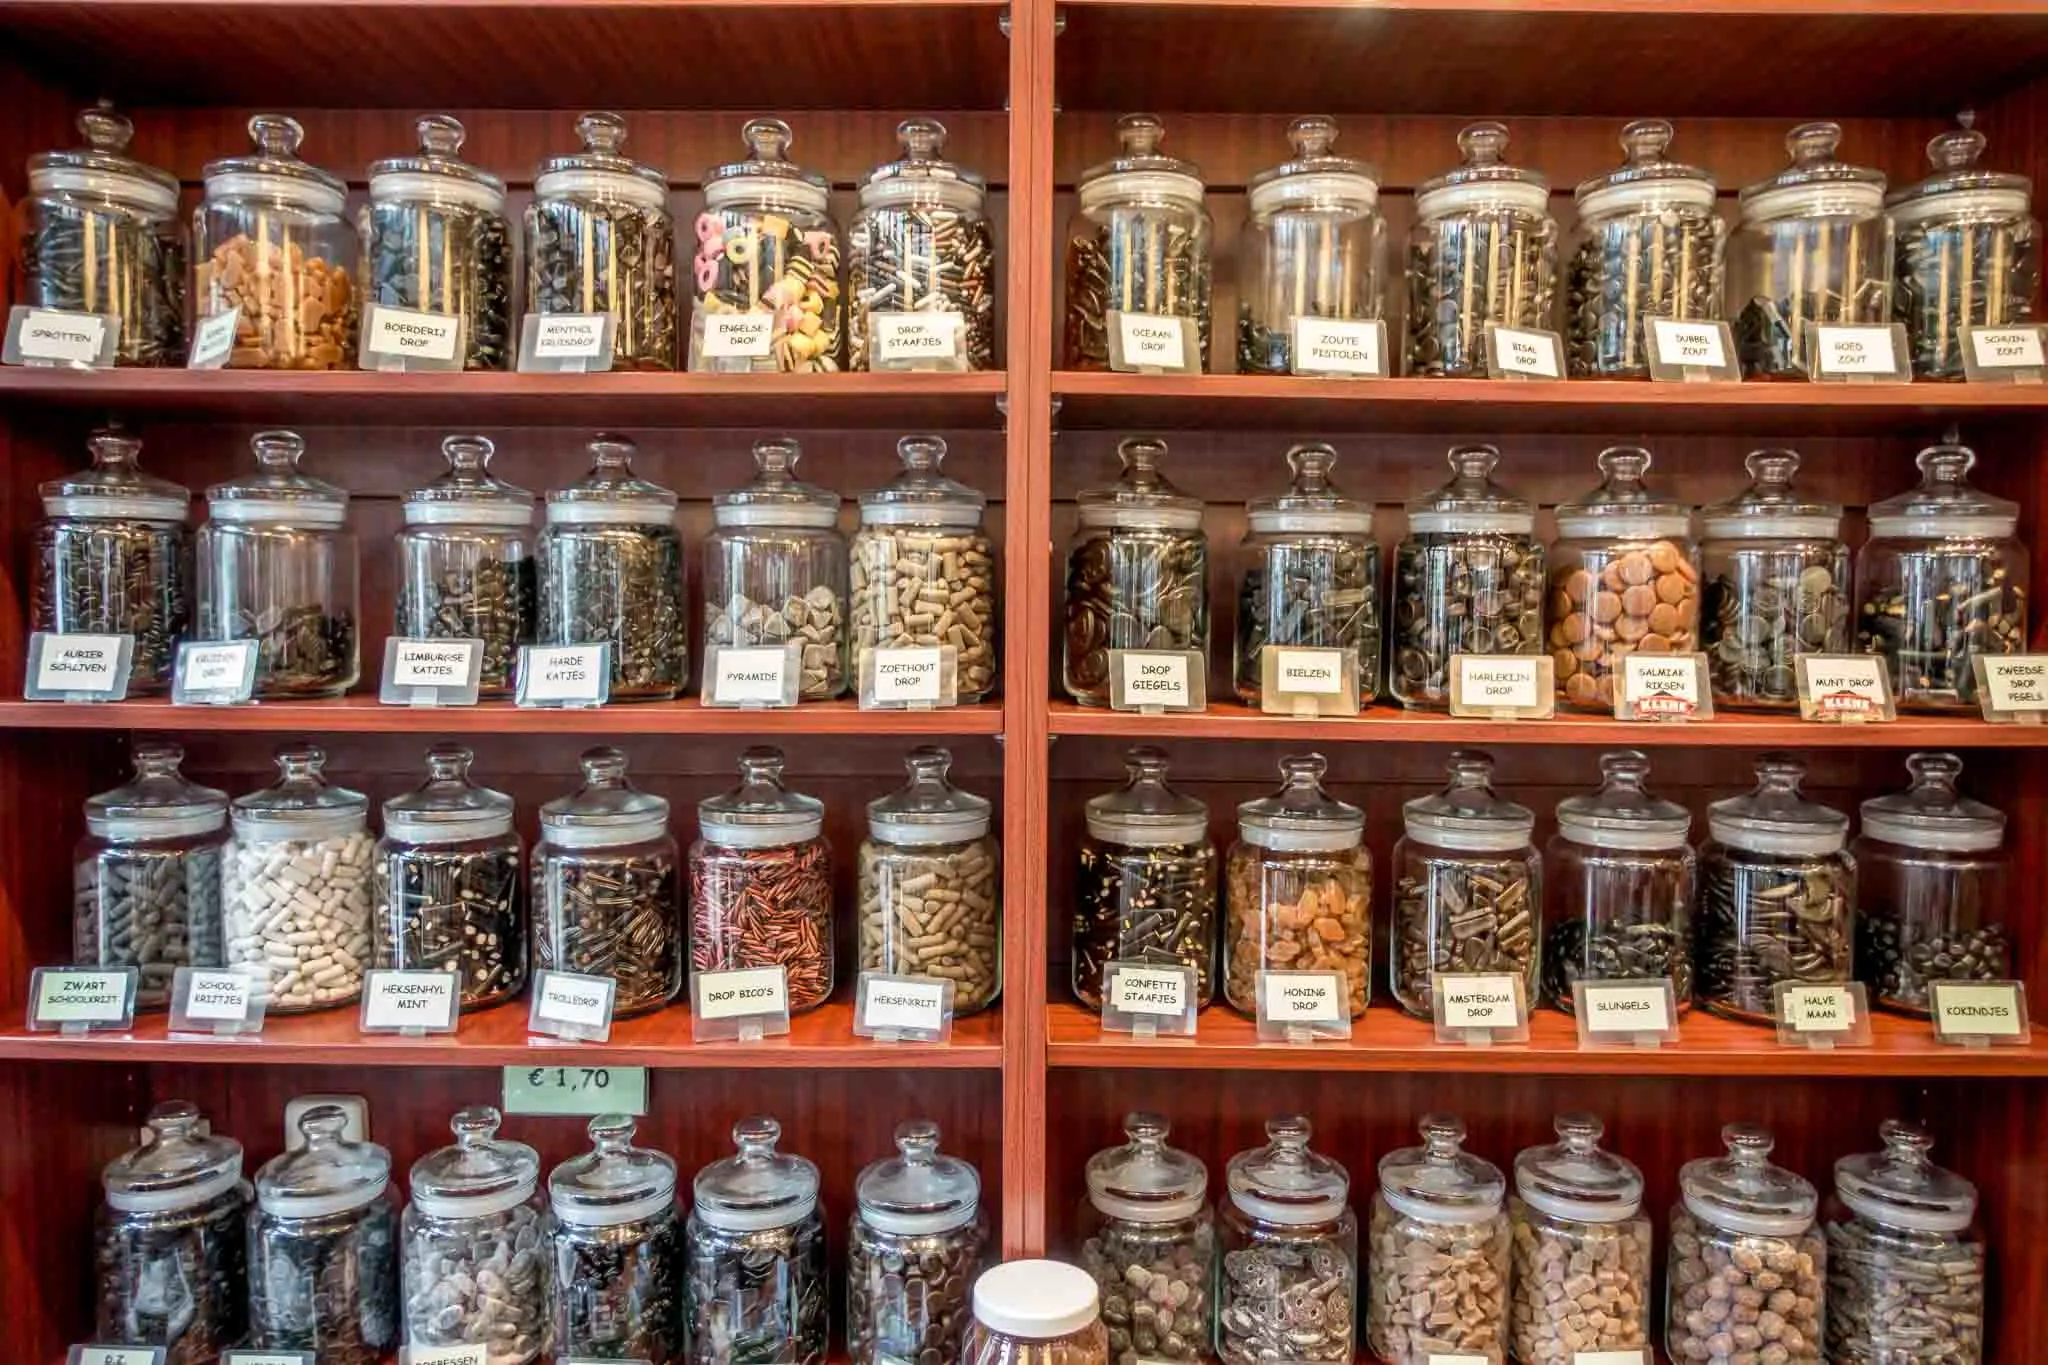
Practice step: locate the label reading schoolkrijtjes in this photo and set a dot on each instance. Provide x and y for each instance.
(1318, 671)
(446, 1355)
(410, 1002)
(217, 996)
(572, 1005)
(213, 341)
(1525, 353)
(214, 673)
(117, 1355)
(909, 676)
(747, 335)
(80, 999)
(408, 334)
(57, 336)
(752, 675)
(1839, 688)
(1855, 351)
(1328, 346)
(902, 1006)
(1978, 1011)
(566, 1091)
(1152, 341)
(564, 675)
(1691, 345)
(745, 991)
(2007, 348)
(84, 667)
(914, 340)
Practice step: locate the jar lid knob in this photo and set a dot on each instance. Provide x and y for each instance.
(776, 458)
(1812, 144)
(602, 131)
(1442, 1136)
(1474, 463)
(1300, 771)
(1145, 763)
(1780, 773)
(1625, 768)
(1774, 466)
(1947, 462)
(1310, 463)
(158, 758)
(1748, 1143)
(113, 448)
(922, 138)
(762, 763)
(277, 450)
(928, 763)
(475, 1125)
(612, 1133)
(323, 1125)
(301, 763)
(1645, 141)
(1312, 136)
(468, 454)
(756, 1137)
(105, 130)
(1470, 768)
(1140, 134)
(1146, 1129)
(612, 452)
(1579, 1132)
(440, 135)
(173, 1118)
(276, 134)
(603, 766)
(1141, 456)
(1959, 147)
(1482, 144)
(1289, 1134)
(449, 762)
(1623, 464)
(1906, 1143)
(921, 452)
(768, 139)
(918, 1140)
(1935, 770)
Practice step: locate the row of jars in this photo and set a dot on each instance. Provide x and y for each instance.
(273, 239)
(277, 563)
(1942, 580)
(1778, 895)
(1818, 243)
(288, 884)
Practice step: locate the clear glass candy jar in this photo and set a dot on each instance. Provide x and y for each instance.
(1137, 572)
(930, 885)
(171, 1241)
(921, 243)
(1035, 1313)
(1146, 886)
(100, 234)
(145, 880)
(1906, 1262)
(1581, 1250)
(1289, 1287)
(272, 242)
(1297, 891)
(1934, 886)
(615, 1251)
(767, 247)
(755, 1256)
(1813, 248)
(1942, 579)
(465, 562)
(1778, 892)
(599, 239)
(1439, 1251)
(913, 1251)
(1149, 1240)
(1138, 243)
(323, 1248)
(1746, 1265)
(1314, 247)
(775, 570)
(761, 882)
(473, 1256)
(1312, 577)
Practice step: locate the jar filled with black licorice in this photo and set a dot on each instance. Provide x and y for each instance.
(466, 564)
(1138, 245)
(913, 1251)
(172, 1239)
(100, 234)
(616, 1251)
(756, 1256)
(113, 557)
(1314, 248)
(921, 244)
(1483, 250)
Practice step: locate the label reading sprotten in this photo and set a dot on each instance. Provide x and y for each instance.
(66, 338)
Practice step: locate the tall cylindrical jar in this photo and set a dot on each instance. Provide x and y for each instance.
(1138, 243)
(473, 1257)
(1906, 1261)
(615, 1251)
(1149, 1240)
(931, 886)
(465, 562)
(921, 244)
(1289, 1287)
(775, 570)
(1314, 247)
(761, 882)
(1438, 1256)
(755, 1256)
(1581, 1250)
(1146, 885)
(1035, 1313)
(1742, 1237)
(915, 1245)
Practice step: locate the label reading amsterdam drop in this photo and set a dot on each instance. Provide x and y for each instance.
(410, 1002)
(78, 667)
(1844, 688)
(573, 1005)
(1491, 1001)
(748, 1004)
(1300, 1007)
(1978, 1012)
(1351, 350)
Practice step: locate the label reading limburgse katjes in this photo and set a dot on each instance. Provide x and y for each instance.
(433, 663)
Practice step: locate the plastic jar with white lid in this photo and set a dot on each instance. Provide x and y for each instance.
(1035, 1313)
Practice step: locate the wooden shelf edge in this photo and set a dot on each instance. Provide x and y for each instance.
(1666, 8)
(363, 713)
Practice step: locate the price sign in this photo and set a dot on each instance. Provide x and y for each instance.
(898, 1008)
(412, 1004)
(572, 1091)
(1979, 1013)
(1690, 352)
(1523, 353)
(225, 1001)
(917, 341)
(1338, 349)
(61, 338)
(1844, 689)
(564, 675)
(1503, 686)
(81, 1000)
(1625, 1013)
(407, 340)
(431, 672)
(1155, 681)
(747, 1004)
(572, 1006)
(78, 667)
(1300, 1007)
(1861, 354)
(1822, 1017)
(1479, 1008)
(214, 674)
(566, 343)
(1153, 343)
(1148, 999)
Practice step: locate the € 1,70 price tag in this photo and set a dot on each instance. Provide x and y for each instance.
(574, 1090)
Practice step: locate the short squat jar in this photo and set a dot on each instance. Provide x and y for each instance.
(1314, 250)
(1138, 246)
(754, 1255)
(599, 239)
(1289, 1287)
(1906, 1261)
(1439, 1251)
(473, 1255)
(615, 1252)
(1149, 1240)
(767, 265)
(761, 883)
(921, 244)
(930, 885)
(1581, 1250)
(913, 1251)
(1035, 1313)
(1745, 1266)
(775, 572)
(465, 563)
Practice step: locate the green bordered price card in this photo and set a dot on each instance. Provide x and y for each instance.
(575, 1091)
(1979, 1013)
(2012, 689)
(1822, 1017)
(116, 1355)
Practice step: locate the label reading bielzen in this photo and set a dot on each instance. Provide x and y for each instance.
(1318, 672)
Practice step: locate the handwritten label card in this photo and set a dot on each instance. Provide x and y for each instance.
(917, 341)
(60, 337)
(2005, 355)
(1822, 1016)
(223, 1001)
(1157, 680)
(1523, 353)
(1625, 1013)
(893, 1009)
(78, 667)
(431, 672)
(1670, 687)
(81, 1000)
(410, 1003)
(573, 1006)
(214, 673)
(1860, 354)
(1153, 343)
(753, 676)
(1479, 1008)
(1979, 1013)
(566, 343)
(1503, 686)
(909, 678)
(409, 339)
(564, 675)
(1338, 349)
(1300, 1007)
(2012, 689)
(1844, 689)
(1149, 999)
(747, 1004)
(1691, 351)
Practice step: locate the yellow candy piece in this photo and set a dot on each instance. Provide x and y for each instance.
(739, 250)
(802, 347)
(810, 325)
(812, 303)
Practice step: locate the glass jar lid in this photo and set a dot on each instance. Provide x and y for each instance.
(1575, 1178)
(158, 802)
(760, 812)
(1467, 814)
(1775, 818)
(1900, 1187)
(611, 493)
(1816, 181)
(1471, 502)
(614, 1182)
(480, 1175)
(1945, 503)
(180, 1165)
(437, 173)
(1771, 508)
(1141, 171)
(1743, 1191)
(1622, 814)
(273, 171)
(115, 489)
(601, 168)
(760, 1187)
(766, 175)
(921, 495)
(1311, 503)
(327, 1175)
(1316, 175)
(1284, 1182)
(1036, 1300)
(278, 492)
(1623, 507)
(608, 811)
(1146, 1180)
(1959, 185)
(922, 175)
(1647, 178)
(1439, 1181)
(468, 494)
(1482, 180)
(1142, 496)
(103, 167)
(776, 497)
(928, 809)
(918, 1191)
(1145, 812)
(448, 807)
(1931, 813)
(1301, 816)
(300, 804)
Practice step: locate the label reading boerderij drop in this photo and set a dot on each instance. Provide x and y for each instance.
(410, 334)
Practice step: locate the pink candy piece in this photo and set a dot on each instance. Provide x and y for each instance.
(789, 318)
(782, 292)
(817, 242)
(709, 225)
(707, 273)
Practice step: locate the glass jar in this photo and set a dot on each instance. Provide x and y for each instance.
(931, 891)
(1624, 579)
(145, 879)
(323, 1254)
(113, 557)
(615, 1248)
(100, 234)
(767, 246)
(1746, 1265)
(1035, 1313)
(775, 570)
(924, 569)
(1649, 246)
(1314, 247)
(171, 1240)
(914, 1247)
(1942, 579)
(599, 239)
(1814, 248)
(1778, 585)
(1967, 252)
(1934, 888)
(465, 562)
(1312, 576)
(1905, 1258)
(1439, 1251)
(611, 572)
(1468, 579)
(756, 1256)
(1138, 243)
(1149, 1240)
(1779, 895)
(277, 565)
(272, 243)
(922, 243)
(1581, 1250)
(447, 883)
(295, 886)
(436, 239)
(1468, 886)
(761, 882)
(1137, 572)
(1146, 889)
(473, 1262)
(1483, 249)
(1622, 881)
(1289, 1287)
(605, 900)
(1297, 892)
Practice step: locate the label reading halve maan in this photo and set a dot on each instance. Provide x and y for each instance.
(1820, 1009)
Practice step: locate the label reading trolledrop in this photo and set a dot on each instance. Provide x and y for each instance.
(573, 998)
(750, 335)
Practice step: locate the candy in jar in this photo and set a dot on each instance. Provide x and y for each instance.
(930, 885)
(915, 1246)
(775, 572)
(1149, 1240)
(1035, 1313)
(615, 1248)
(1289, 1288)
(1581, 1251)
(473, 1259)
(1138, 259)
(1906, 1261)
(921, 262)
(1146, 887)
(761, 883)
(465, 563)
(755, 1256)
(1439, 1252)
(767, 265)
(1746, 1265)
(1314, 247)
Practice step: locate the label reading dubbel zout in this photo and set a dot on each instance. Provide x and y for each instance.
(1690, 343)
(742, 335)
(747, 991)
(1152, 341)
(409, 1002)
